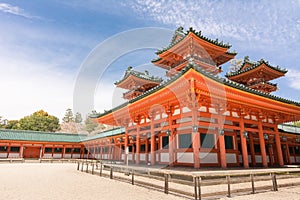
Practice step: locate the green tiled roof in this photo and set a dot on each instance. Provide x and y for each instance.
(198, 34)
(108, 133)
(253, 66)
(205, 73)
(22, 135)
(141, 75)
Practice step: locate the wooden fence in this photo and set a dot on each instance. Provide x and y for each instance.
(192, 184)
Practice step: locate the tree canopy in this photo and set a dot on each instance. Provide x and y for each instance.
(38, 121)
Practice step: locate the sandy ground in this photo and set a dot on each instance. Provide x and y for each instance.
(62, 181)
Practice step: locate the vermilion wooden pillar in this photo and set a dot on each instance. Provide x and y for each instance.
(138, 144)
(126, 145)
(196, 139)
(222, 151)
(244, 143)
(21, 151)
(278, 147)
(262, 144)
(171, 140)
(221, 142)
(251, 142)
(152, 150)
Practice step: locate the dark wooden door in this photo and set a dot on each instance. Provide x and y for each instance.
(31, 152)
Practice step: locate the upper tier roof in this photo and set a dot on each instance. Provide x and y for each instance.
(249, 67)
(192, 43)
(135, 78)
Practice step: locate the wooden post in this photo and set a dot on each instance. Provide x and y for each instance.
(252, 183)
(262, 144)
(78, 165)
(132, 177)
(199, 188)
(81, 166)
(196, 188)
(167, 183)
(93, 165)
(228, 184)
(87, 167)
(100, 169)
(111, 172)
(274, 181)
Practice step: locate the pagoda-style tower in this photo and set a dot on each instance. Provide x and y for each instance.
(193, 46)
(136, 83)
(256, 75)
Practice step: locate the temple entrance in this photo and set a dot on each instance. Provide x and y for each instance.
(31, 152)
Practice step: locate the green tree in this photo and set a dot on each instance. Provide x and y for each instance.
(68, 116)
(90, 124)
(12, 124)
(78, 118)
(39, 121)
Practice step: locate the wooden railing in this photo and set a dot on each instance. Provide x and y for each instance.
(194, 184)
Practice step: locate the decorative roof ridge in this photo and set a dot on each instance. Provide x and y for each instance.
(253, 66)
(41, 132)
(143, 75)
(199, 35)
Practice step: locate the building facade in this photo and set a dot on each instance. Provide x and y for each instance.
(193, 118)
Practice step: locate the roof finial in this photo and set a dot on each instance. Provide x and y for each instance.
(129, 68)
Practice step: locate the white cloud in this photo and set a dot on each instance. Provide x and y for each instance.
(259, 21)
(7, 8)
(294, 79)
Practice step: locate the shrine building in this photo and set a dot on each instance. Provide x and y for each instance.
(196, 118)
(192, 117)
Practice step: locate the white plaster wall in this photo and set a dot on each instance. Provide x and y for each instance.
(164, 157)
(3, 155)
(176, 112)
(292, 159)
(164, 115)
(231, 158)
(258, 158)
(186, 157)
(202, 109)
(185, 110)
(123, 156)
(297, 159)
(57, 155)
(142, 157)
(241, 158)
(67, 156)
(157, 158)
(76, 156)
(13, 155)
(129, 156)
(182, 120)
(234, 114)
(208, 157)
(47, 155)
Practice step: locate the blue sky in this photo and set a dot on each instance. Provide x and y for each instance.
(44, 43)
